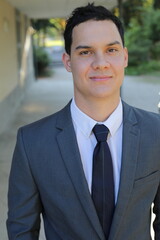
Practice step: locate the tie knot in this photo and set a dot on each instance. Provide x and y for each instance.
(100, 132)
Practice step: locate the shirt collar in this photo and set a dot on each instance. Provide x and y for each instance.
(81, 120)
(115, 119)
(86, 124)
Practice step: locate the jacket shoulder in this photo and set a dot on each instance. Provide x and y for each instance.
(145, 119)
(147, 116)
(46, 125)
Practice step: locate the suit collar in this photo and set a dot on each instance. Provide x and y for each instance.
(64, 117)
(70, 154)
(129, 116)
(130, 145)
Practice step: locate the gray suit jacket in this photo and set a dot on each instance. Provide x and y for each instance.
(47, 177)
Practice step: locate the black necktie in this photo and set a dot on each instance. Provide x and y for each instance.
(102, 179)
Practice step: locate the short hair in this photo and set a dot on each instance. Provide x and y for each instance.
(86, 13)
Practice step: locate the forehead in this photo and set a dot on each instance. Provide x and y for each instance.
(96, 32)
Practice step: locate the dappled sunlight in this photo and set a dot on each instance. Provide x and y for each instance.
(34, 108)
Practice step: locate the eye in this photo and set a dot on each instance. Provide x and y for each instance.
(112, 50)
(85, 52)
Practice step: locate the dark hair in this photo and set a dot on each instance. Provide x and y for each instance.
(89, 12)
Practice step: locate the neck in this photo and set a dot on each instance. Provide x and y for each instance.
(98, 110)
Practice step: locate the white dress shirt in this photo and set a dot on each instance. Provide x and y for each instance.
(83, 126)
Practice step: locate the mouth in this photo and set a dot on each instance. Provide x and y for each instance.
(100, 78)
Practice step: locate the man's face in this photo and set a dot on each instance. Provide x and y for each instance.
(97, 61)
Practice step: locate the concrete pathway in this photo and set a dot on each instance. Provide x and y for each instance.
(47, 96)
(142, 92)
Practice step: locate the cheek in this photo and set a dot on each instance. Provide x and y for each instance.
(119, 64)
(79, 67)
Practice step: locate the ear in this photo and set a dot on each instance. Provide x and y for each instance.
(125, 57)
(67, 61)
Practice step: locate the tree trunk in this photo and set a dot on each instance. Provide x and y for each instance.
(120, 6)
(156, 4)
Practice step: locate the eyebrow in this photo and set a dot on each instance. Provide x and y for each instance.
(82, 47)
(89, 47)
(114, 43)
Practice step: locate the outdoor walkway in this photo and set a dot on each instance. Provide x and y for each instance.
(47, 96)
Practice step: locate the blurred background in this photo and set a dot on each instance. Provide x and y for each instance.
(31, 43)
(33, 81)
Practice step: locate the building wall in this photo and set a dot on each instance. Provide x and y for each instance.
(16, 65)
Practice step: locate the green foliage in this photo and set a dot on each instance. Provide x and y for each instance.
(47, 28)
(150, 67)
(138, 43)
(134, 9)
(155, 25)
(143, 42)
(42, 24)
(42, 60)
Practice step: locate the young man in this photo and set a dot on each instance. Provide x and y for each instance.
(52, 170)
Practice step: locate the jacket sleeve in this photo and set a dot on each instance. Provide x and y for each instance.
(24, 205)
(156, 210)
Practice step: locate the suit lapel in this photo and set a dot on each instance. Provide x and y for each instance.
(130, 147)
(70, 153)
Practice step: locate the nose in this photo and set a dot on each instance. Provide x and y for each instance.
(100, 62)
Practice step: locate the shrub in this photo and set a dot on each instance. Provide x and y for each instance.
(154, 25)
(138, 43)
(143, 43)
(150, 67)
(155, 51)
(42, 60)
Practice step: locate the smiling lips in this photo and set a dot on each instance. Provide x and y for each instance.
(101, 78)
